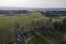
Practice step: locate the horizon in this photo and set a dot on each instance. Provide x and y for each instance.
(32, 9)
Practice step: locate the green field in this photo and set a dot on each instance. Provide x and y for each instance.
(7, 26)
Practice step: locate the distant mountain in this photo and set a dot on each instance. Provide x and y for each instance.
(33, 9)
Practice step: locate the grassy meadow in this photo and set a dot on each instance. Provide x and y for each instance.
(7, 26)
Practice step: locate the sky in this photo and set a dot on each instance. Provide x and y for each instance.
(34, 3)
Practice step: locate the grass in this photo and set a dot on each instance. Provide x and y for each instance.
(7, 27)
(42, 39)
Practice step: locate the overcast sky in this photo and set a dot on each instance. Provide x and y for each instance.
(34, 3)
